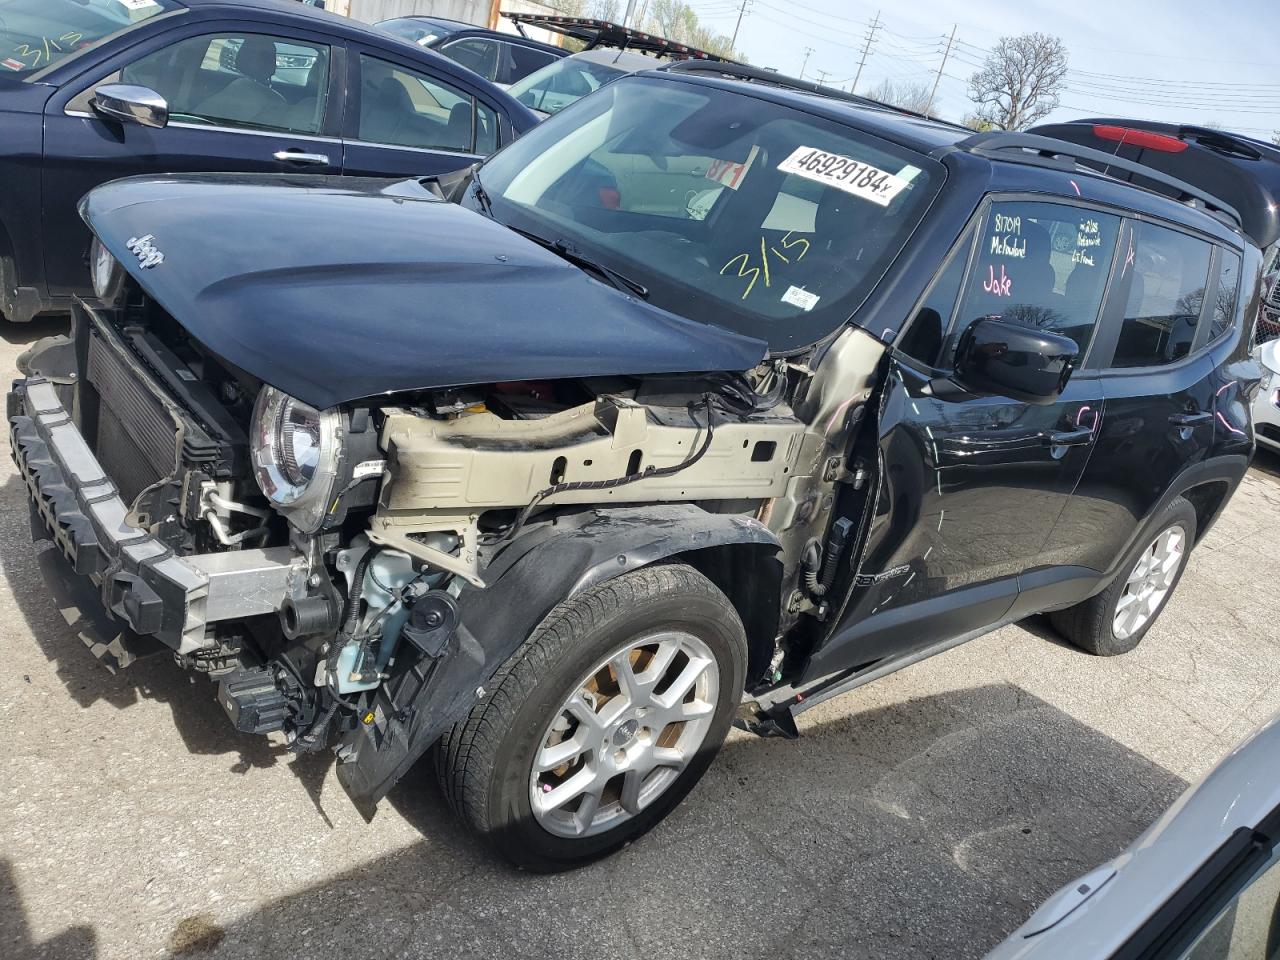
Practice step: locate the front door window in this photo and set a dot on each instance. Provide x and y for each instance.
(253, 81)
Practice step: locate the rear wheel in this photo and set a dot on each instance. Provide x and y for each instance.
(601, 722)
(1117, 619)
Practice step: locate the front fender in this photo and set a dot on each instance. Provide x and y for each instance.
(552, 562)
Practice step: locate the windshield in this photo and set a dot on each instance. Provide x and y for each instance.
(417, 29)
(566, 81)
(37, 33)
(730, 209)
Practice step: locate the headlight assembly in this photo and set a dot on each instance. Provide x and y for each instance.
(107, 273)
(295, 451)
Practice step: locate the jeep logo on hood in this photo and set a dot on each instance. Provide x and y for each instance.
(145, 250)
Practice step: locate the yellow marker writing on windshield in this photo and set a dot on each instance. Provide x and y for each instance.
(745, 268)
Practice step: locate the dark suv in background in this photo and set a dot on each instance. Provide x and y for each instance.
(502, 58)
(90, 92)
(709, 398)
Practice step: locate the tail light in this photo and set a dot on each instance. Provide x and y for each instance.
(1139, 138)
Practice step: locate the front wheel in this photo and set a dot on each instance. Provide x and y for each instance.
(1117, 619)
(601, 722)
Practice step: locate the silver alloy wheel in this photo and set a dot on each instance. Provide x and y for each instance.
(624, 735)
(1149, 582)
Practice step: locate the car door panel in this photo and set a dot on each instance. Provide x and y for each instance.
(83, 150)
(970, 489)
(1160, 419)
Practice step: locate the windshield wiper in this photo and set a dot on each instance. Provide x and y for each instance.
(567, 252)
(481, 195)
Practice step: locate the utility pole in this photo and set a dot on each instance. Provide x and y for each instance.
(808, 51)
(631, 9)
(942, 66)
(866, 49)
(822, 80)
(733, 44)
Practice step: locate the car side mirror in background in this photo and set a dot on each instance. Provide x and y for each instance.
(1022, 363)
(129, 103)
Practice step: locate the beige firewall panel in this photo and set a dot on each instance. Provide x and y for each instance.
(480, 461)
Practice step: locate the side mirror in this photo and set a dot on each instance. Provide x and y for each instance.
(131, 104)
(1007, 360)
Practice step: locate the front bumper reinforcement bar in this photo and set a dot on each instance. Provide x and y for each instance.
(141, 580)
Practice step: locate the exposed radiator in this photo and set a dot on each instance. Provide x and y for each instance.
(136, 438)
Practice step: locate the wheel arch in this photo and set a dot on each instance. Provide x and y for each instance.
(1208, 486)
(1208, 498)
(549, 563)
(750, 575)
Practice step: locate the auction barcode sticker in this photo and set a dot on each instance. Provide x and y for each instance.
(844, 173)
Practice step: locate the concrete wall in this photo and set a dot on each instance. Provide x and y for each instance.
(371, 11)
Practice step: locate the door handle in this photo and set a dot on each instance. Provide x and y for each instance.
(1190, 419)
(297, 156)
(1069, 438)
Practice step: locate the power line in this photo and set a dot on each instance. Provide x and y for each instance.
(871, 36)
(808, 52)
(942, 66)
(741, 10)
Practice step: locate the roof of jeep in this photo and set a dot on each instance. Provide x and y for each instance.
(925, 136)
(916, 133)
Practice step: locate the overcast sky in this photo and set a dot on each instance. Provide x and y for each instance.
(1174, 60)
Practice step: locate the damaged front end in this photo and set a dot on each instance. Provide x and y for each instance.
(352, 577)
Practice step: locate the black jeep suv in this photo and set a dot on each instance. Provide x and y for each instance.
(709, 398)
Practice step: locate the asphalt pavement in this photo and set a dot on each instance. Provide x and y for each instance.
(922, 816)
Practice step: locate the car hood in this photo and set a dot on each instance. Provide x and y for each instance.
(333, 289)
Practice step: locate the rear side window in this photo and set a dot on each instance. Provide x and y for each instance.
(475, 53)
(1224, 307)
(521, 61)
(405, 108)
(1165, 272)
(1042, 265)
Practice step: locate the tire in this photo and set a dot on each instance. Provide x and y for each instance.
(1094, 625)
(672, 624)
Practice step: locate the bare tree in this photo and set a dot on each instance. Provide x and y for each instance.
(1275, 137)
(1020, 81)
(678, 21)
(610, 10)
(909, 95)
(568, 8)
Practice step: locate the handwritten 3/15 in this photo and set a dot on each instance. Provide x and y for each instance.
(746, 269)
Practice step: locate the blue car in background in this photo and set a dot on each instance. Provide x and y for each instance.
(94, 90)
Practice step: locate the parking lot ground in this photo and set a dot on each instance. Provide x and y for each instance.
(922, 816)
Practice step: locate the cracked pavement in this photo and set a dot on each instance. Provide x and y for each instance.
(924, 815)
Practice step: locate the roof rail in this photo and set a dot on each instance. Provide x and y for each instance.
(741, 71)
(1046, 151)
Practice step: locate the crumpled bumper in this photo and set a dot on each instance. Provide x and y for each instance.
(142, 582)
